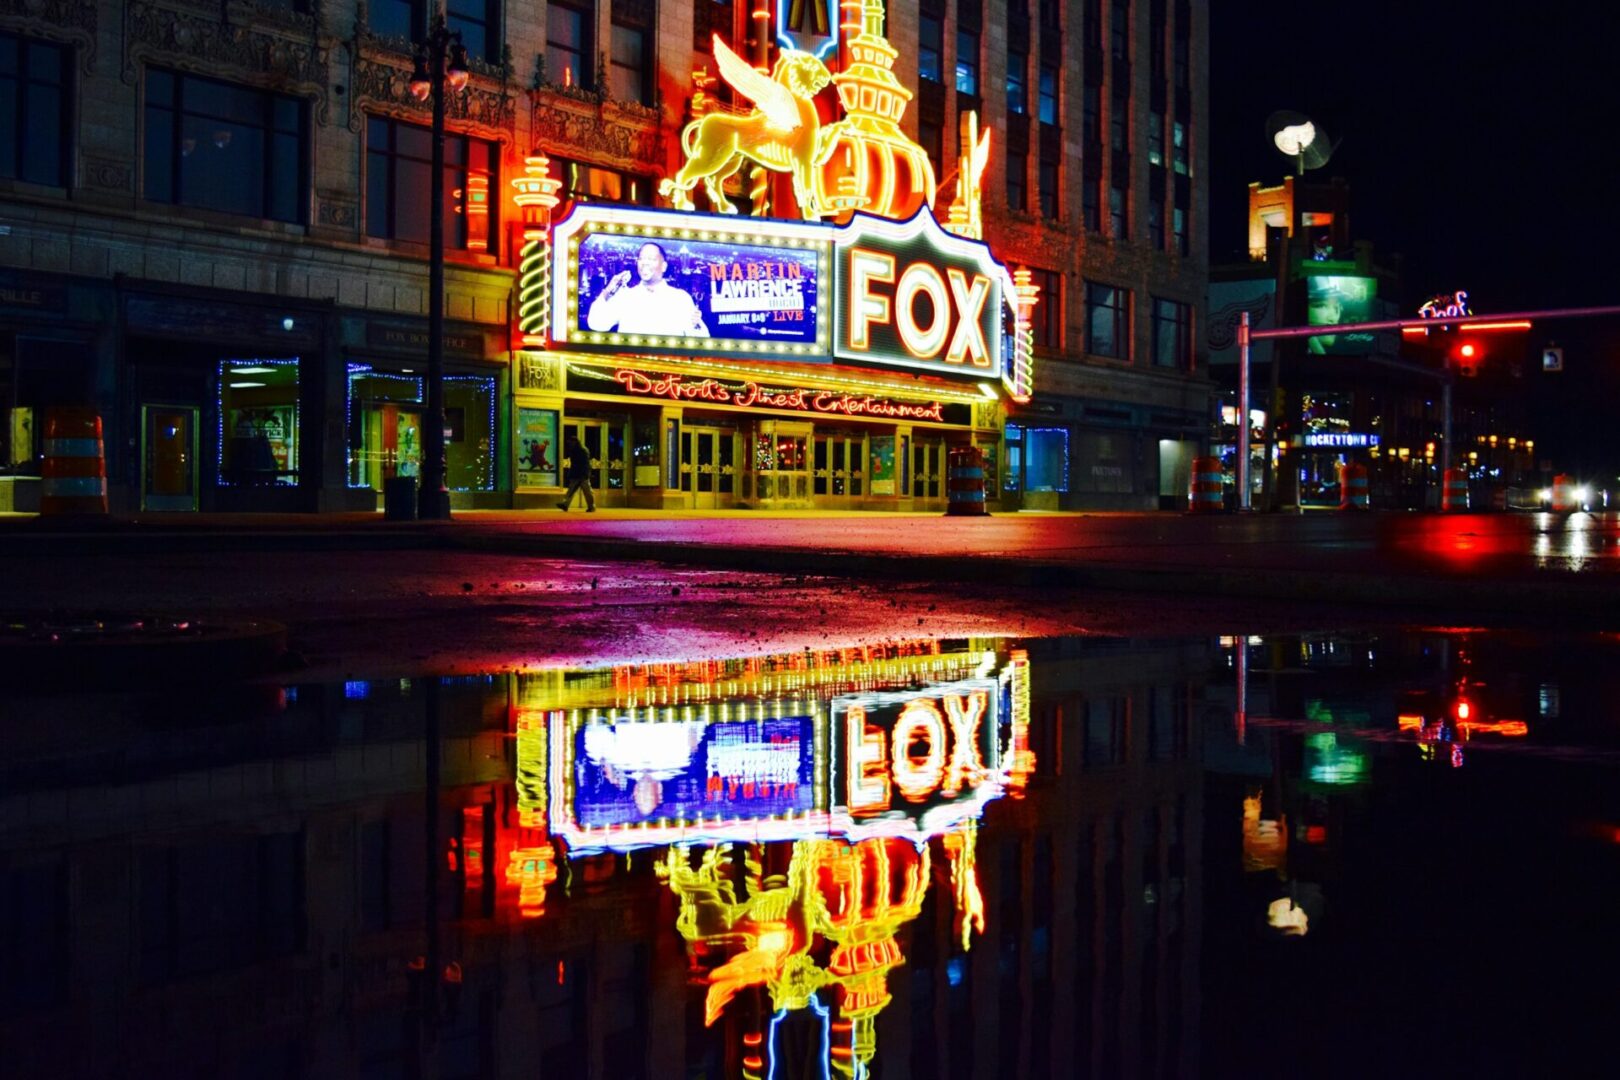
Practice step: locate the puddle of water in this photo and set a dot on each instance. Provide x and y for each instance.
(976, 857)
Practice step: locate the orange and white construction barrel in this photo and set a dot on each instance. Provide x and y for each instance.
(1353, 488)
(1454, 490)
(1205, 491)
(965, 483)
(73, 477)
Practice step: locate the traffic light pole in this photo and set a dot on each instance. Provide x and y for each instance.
(1247, 336)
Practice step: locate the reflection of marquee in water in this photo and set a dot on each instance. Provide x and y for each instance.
(790, 757)
(861, 785)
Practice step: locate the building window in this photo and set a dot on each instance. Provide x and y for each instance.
(1091, 203)
(478, 23)
(1017, 83)
(1178, 227)
(930, 138)
(1107, 320)
(1183, 44)
(1048, 326)
(967, 62)
(34, 111)
(258, 423)
(592, 183)
(1119, 224)
(1091, 24)
(1178, 147)
(1091, 118)
(1017, 181)
(404, 19)
(569, 51)
(931, 48)
(1156, 138)
(1049, 185)
(1119, 118)
(1156, 220)
(386, 415)
(1172, 334)
(1119, 29)
(1049, 94)
(628, 70)
(223, 147)
(399, 168)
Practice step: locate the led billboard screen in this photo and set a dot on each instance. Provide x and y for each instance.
(1334, 300)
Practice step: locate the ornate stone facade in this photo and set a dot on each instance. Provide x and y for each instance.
(601, 131)
(68, 21)
(287, 57)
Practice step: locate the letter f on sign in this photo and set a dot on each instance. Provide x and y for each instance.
(868, 778)
(865, 268)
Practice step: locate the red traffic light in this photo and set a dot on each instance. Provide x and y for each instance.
(1467, 351)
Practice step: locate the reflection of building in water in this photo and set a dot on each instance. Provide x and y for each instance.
(251, 903)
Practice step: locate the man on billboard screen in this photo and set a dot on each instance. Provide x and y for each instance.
(652, 306)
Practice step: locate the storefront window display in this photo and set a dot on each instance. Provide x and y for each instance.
(258, 422)
(1038, 458)
(385, 428)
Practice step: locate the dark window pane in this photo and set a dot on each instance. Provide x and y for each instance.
(8, 109)
(44, 62)
(377, 186)
(414, 142)
(377, 134)
(288, 113)
(8, 55)
(392, 18)
(412, 181)
(42, 145)
(159, 155)
(284, 172)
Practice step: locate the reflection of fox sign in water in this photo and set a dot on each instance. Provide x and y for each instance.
(782, 133)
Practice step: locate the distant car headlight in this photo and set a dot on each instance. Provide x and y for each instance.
(1581, 494)
(1545, 494)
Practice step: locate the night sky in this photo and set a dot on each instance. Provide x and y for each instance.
(1481, 148)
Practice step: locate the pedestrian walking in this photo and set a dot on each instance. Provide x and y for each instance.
(578, 475)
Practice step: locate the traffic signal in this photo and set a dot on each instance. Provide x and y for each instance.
(1466, 357)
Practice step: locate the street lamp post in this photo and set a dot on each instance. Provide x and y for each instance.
(441, 60)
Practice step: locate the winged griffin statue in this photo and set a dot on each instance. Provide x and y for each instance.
(782, 133)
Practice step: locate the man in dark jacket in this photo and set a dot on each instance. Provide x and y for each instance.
(578, 474)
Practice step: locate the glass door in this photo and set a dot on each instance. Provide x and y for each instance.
(709, 465)
(604, 439)
(168, 457)
(928, 469)
(840, 465)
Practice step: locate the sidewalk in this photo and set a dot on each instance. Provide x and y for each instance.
(1522, 564)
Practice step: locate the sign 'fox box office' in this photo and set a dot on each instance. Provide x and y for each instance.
(826, 356)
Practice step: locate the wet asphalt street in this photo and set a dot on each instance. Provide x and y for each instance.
(403, 611)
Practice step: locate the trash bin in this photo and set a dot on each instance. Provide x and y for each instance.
(399, 498)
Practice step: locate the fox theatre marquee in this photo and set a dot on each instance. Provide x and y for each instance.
(824, 351)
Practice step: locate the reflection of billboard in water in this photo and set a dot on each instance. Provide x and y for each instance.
(1335, 299)
(702, 289)
(629, 773)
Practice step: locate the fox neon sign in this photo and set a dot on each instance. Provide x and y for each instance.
(917, 748)
(912, 295)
